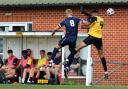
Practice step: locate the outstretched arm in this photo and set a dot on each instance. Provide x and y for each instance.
(84, 11)
(56, 29)
(61, 24)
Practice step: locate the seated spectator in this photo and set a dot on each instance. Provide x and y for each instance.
(41, 66)
(75, 64)
(74, 67)
(9, 69)
(54, 69)
(29, 53)
(26, 63)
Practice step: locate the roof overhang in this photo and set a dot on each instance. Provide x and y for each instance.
(29, 5)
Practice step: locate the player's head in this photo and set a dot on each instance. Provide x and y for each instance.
(94, 12)
(42, 53)
(10, 52)
(68, 12)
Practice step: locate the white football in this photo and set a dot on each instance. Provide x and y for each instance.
(110, 11)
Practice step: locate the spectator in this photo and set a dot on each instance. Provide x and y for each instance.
(54, 69)
(41, 66)
(75, 64)
(29, 53)
(9, 69)
(26, 63)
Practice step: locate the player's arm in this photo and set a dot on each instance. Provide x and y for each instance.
(84, 22)
(58, 27)
(89, 21)
(84, 11)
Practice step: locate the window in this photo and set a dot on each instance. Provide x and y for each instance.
(18, 28)
(4, 28)
(15, 26)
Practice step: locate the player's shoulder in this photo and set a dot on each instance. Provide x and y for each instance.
(76, 18)
(73, 17)
(100, 18)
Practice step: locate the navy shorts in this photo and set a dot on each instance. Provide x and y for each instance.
(70, 41)
(97, 42)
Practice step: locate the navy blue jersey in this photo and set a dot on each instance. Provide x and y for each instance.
(71, 24)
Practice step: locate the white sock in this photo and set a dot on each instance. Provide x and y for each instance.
(23, 80)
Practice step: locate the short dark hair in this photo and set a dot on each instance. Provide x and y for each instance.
(49, 53)
(10, 51)
(42, 51)
(94, 11)
(24, 52)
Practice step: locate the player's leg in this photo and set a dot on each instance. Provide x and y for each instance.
(61, 44)
(57, 47)
(84, 43)
(71, 56)
(55, 50)
(80, 46)
(87, 41)
(103, 60)
(104, 64)
(98, 45)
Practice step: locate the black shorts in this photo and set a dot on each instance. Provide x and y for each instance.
(97, 42)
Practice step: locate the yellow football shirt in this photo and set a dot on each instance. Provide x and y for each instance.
(41, 62)
(95, 28)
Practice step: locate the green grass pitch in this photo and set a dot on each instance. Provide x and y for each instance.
(58, 87)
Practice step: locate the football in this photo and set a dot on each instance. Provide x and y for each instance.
(110, 11)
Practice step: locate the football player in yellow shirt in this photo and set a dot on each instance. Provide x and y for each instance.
(96, 24)
(41, 66)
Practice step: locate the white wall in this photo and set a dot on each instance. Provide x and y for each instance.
(33, 43)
